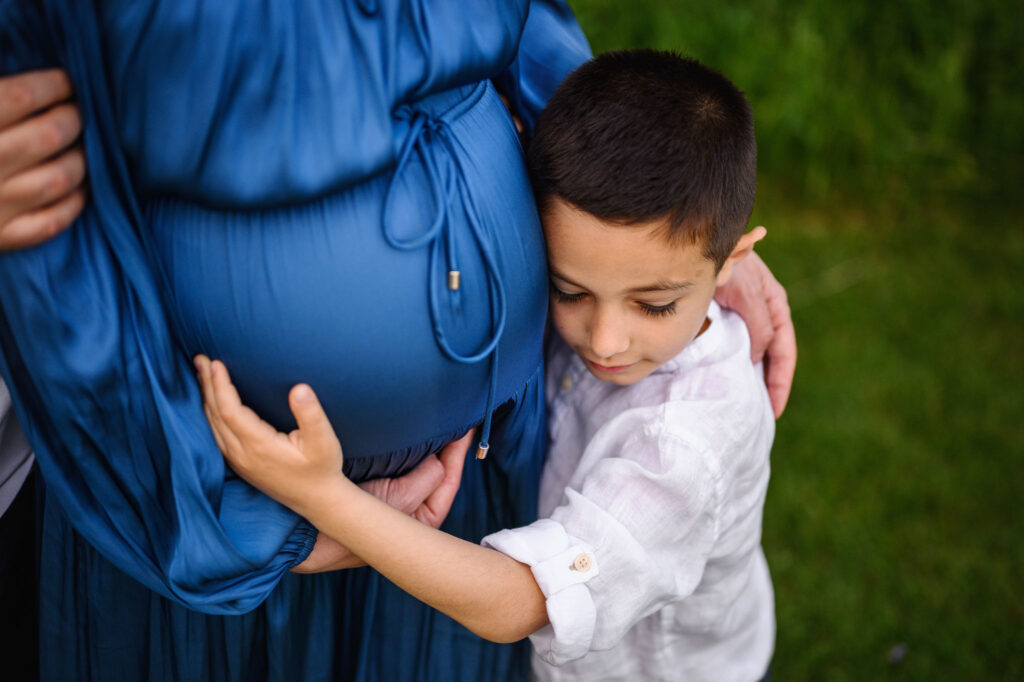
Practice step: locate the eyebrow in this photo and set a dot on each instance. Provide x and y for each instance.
(660, 285)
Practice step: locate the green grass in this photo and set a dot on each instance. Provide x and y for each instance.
(890, 149)
(881, 97)
(893, 514)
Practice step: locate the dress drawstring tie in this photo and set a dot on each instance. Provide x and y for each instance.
(444, 187)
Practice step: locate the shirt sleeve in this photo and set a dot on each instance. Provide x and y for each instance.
(633, 533)
(106, 397)
(552, 45)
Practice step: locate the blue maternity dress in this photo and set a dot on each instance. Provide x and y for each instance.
(288, 186)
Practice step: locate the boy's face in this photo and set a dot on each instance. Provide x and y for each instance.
(623, 298)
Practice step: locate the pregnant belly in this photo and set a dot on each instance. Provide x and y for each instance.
(318, 293)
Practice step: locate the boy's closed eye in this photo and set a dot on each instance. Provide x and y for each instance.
(653, 309)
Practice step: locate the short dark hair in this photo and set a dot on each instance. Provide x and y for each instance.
(643, 135)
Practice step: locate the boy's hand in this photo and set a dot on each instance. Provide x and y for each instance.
(757, 296)
(294, 469)
(41, 173)
(426, 493)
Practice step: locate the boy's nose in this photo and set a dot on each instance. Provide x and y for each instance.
(608, 336)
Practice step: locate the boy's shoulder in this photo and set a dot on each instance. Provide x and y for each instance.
(713, 395)
(710, 397)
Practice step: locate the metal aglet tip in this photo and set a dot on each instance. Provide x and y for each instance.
(481, 451)
(453, 279)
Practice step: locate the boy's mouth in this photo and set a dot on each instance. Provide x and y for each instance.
(612, 369)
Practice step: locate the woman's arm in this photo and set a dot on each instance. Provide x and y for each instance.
(490, 593)
(552, 45)
(103, 392)
(760, 300)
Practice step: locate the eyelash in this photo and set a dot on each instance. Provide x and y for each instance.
(647, 309)
(563, 297)
(658, 310)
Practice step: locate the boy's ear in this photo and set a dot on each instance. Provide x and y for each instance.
(743, 247)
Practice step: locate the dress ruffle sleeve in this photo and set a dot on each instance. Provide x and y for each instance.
(552, 46)
(106, 398)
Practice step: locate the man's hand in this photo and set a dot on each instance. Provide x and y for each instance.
(757, 296)
(42, 169)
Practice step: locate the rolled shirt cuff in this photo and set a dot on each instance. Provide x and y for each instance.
(562, 566)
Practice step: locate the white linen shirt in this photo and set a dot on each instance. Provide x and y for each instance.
(649, 545)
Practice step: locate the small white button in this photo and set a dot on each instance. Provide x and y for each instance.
(582, 563)
(566, 382)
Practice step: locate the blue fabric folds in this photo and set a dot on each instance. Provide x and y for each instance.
(285, 186)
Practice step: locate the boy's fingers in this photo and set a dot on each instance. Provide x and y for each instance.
(226, 441)
(202, 364)
(310, 416)
(215, 428)
(242, 422)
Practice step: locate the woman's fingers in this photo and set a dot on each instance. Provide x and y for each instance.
(33, 140)
(34, 227)
(780, 358)
(439, 503)
(760, 300)
(407, 492)
(41, 174)
(42, 185)
(27, 93)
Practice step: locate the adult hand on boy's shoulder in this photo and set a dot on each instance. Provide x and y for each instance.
(426, 493)
(42, 169)
(761, 301)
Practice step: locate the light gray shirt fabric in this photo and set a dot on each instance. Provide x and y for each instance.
(650, 553)
(15, 453)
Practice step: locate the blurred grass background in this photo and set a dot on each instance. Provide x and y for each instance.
(891, 151)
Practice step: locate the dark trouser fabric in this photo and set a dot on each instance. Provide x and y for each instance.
(19, 643)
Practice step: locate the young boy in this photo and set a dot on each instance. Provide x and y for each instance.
(647, 561)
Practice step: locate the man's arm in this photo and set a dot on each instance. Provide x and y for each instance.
(42, 167)
(490, 593)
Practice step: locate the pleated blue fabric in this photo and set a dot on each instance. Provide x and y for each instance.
(285, 186)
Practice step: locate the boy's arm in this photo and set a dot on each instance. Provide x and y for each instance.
(490, 593)
(426, 493)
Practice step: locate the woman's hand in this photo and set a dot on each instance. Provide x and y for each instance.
(42, 169)
(760, 300)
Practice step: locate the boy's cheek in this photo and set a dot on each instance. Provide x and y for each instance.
(564, 323)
